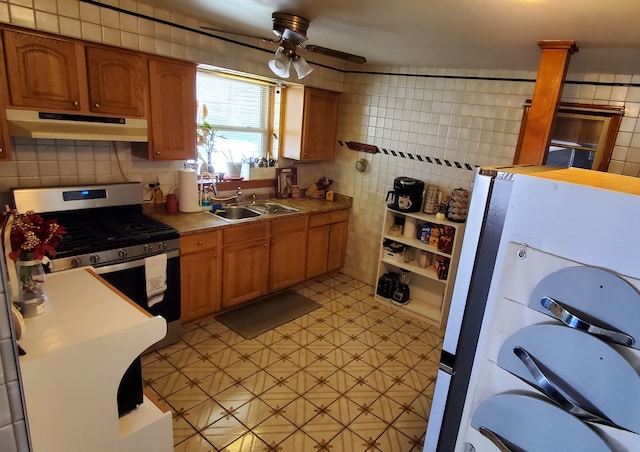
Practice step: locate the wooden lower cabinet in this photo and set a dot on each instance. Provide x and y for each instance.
(245, 263)
(337, 245)
(288, 252)
(221, 269)
(200, 275)
(326, 242)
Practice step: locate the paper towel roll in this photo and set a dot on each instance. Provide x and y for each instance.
(188, 191)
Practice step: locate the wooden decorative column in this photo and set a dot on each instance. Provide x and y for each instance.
(546, 96)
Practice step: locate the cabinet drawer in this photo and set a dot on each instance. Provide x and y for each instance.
(322, 219)
(288, 225)
(245, 233)
(198, 242)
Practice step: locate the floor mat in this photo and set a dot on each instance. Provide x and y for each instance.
(267, 313)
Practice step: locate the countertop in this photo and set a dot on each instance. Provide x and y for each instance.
(193, 223)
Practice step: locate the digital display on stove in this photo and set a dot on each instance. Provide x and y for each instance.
(78, 195)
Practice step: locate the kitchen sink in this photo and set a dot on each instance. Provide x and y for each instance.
(271, 207)
(252, 210)
(231, 213)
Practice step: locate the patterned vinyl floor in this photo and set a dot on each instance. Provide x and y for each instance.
(353, 375)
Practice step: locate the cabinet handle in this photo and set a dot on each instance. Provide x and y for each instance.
(266, 244)
(97, 105)
(76, 103)
(200, 242)
(157, 152)
(273, 242)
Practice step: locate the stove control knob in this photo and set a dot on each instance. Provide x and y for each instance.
(75, 262)
(162, 246)
(94, 258)
(148, 248)
(122, 253)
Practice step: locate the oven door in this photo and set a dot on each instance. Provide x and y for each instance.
(129, 278)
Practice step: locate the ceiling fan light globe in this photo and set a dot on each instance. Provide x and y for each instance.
(280, 64)
(302, 67)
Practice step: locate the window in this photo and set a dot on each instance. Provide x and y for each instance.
(239, 117)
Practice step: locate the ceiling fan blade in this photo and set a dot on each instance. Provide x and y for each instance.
(336, 54)
(240, 34)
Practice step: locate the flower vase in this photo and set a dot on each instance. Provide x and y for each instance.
(30, 279)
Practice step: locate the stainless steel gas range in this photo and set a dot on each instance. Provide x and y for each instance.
(107, 229)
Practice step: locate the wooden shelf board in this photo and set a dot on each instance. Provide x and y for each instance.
(426, 311)
(426, 272)
(415, 243)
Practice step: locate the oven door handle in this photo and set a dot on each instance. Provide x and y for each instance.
(130, 264)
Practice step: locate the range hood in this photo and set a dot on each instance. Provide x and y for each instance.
(34, 124)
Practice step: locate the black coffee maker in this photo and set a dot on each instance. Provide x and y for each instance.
(406, 195)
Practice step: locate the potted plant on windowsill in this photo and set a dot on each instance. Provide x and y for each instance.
(208, 140)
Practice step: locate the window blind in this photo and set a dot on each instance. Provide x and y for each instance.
(240, 111)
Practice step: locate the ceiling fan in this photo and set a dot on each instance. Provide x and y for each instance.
(291, 32)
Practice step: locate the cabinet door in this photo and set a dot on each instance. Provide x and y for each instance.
(42, 72)
(288, 259)
(317, 249)
(245, 270)
(337, 245)
(310, 123)
(172, 87)
(118, 82)
(200, 275)
(200, 284)
(320, 125)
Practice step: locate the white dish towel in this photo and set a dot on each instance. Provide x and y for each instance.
(155, 269)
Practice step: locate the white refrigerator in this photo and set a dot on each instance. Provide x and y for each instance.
(541, 349)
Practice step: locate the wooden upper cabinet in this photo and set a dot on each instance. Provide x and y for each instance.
(48, 73)
(117, 82)
(310, 125)
(172, 89)
(43, 72)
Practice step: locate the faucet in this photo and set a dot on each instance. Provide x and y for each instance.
(238, 195)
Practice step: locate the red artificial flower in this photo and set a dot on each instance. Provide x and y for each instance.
(31, 234)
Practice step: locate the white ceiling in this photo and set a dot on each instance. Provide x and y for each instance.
(487, 34)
